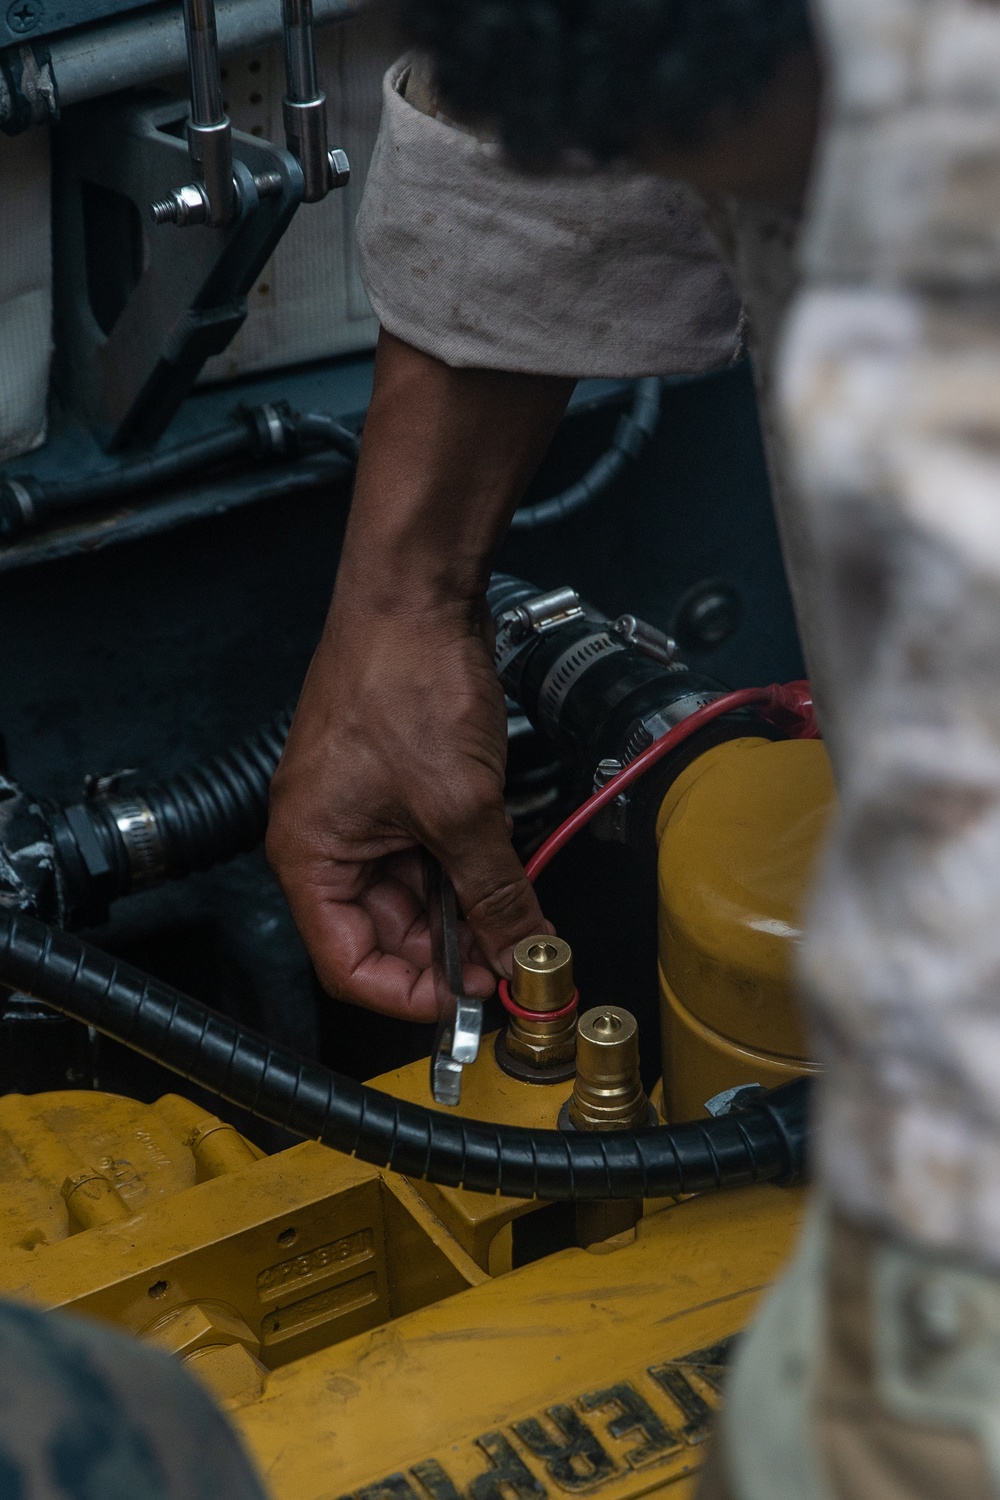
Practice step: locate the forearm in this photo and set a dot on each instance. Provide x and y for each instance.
(446, 457)
(399, 738)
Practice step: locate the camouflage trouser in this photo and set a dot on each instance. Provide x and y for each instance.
(889, 384)
(873, 1373)
(86, 1414)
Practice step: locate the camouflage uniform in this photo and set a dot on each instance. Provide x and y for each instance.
(86, 1414)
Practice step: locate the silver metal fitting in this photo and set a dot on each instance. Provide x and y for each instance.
(534, 617)
(545, 612)
(606, 771)
(731, 1101)
(323, 168)
(184, 206)
(190, 204)
(136, 822)
(211, 150)
(306, 139)
(268, 184)
(304, 107)
(25, 504)
(610, 823)
(655, 725)
(340, 168)
(647, 639)
(275, 428)
(567, 670)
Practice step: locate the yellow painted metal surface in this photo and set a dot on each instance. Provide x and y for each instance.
(480, 1222)
(283, 1255)
(367, 1333)
(582, 1373)
(702, 1063)
(739, 834)
(357, 1345)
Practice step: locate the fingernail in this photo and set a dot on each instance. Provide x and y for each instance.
(506, 962)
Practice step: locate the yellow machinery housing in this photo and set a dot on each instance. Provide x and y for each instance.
(738, 835)
(372, 1336)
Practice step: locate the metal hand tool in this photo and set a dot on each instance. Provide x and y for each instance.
(460, 1023)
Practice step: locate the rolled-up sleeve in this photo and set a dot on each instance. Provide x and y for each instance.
(605, 272)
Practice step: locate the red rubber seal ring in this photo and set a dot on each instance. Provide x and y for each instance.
(511, 1005)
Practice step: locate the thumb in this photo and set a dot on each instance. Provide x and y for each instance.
(493, 891)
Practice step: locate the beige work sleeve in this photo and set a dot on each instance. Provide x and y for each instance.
(604, 272)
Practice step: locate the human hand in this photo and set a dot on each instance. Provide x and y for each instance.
(398, 743)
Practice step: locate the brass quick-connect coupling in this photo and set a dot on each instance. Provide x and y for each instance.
(540, 1041)
(607, 1095)
(543, 974)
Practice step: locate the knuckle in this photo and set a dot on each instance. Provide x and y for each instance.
(504, 905)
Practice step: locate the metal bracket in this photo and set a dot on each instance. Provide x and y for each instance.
(732, 1101)
(139, 307)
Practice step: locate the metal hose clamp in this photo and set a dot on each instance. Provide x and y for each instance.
(136, 822)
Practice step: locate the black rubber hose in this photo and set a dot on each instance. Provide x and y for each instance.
(270, 431)
(49, 497)
(197, 818)
(765, 1143)
(320, 425)
(631, 435)
(26, 503)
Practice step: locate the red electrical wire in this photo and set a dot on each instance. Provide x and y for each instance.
(787, 704)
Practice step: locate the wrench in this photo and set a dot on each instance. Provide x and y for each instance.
(460, 1026)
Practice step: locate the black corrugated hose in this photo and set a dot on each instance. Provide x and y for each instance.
(764, 1143)
(200, 817)
(218, 808)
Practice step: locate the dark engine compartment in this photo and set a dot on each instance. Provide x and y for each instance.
(152, 636)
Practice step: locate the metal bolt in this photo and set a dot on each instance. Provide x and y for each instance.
(340, 168)
(25, 15)
(604, 771)
(268, 184)
(185, 205)
(610, 822)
